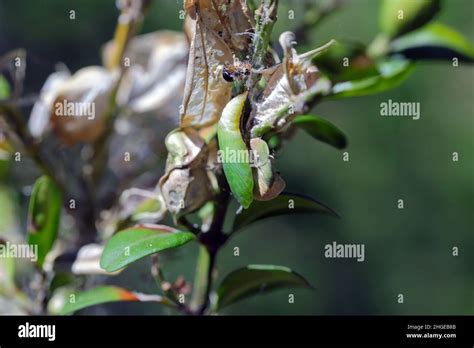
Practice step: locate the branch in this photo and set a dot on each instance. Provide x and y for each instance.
(265, 17)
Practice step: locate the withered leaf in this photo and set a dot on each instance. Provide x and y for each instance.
(185, 186)
(156, 74)
(38, 122)
(288, 89)
(81, 102)
(230, 19)
(206, 92)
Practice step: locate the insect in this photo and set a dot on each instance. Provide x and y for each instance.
(239, 70)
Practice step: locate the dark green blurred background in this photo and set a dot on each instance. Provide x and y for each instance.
(408, 251)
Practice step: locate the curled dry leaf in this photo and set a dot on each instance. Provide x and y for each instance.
(38, 122)
(185, 186)
(88, 261)
(289, 88)
(214, 34)
(155, 74)
(149, 97)
(230, 19)
(81, 102)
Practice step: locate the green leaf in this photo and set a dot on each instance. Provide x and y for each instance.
(149, 205)
(321, 129)
(345, 61)
(134, 243)
(69, 302)
(434, 41)
(397, 17)
(286, 203)
(7, 275)
(257, 279)
(4, 88)
(43, 216)
(391, 74)
(233, 153)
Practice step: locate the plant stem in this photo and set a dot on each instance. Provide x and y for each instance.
(128, 24)
(201, 280)
(209, 279)
(211, 242)
(265, 17)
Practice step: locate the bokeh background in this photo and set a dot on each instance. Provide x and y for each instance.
(408, 251)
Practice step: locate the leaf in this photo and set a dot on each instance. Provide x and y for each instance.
(397, 17)
(87, 261)
(132, 244)
(43, 216)
(391, 74)
(256, 279)
(286, 203)
(185, 187)
(7, 275)
(91, 88)
(206, 92)
(345, 61)
(149, 206)
(321, 129)
(4, 88)
(289, 88)
(70, 302)
(268, 182)
(39, 120)
(434, 41)
(233, 151)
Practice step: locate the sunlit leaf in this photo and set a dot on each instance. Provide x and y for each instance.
(434, 41)
(234, 152)
(397, 17)
(257, 279)
(391, 74)
(285, 203)
(7, 275)
(321, 129)
(43, 216)
(132, 244)
(4, 88)
(68, 302)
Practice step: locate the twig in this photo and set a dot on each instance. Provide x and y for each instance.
(170, 293)
(265, 17)
(211, 242)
